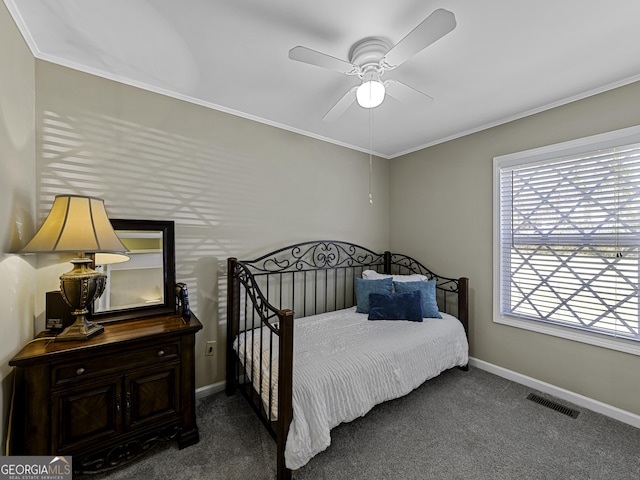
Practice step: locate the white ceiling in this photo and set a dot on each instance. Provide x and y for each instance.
(505, 59)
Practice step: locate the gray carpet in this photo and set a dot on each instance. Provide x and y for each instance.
(460, 425)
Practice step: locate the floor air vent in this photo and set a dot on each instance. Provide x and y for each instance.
(570, 412)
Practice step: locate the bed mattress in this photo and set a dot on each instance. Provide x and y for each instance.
(344, 365)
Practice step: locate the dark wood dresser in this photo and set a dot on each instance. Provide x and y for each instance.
(105, 400)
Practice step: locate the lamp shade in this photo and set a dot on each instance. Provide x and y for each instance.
(76, 224)
(110, 258)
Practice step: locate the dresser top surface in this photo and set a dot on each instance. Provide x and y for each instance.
(121, 332)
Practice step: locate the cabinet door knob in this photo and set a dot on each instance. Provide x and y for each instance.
(80, 371)
(161, 353)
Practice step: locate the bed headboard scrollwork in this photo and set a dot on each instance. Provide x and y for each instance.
(318, 276)
(318, 255)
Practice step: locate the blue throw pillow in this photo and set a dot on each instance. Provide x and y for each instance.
(396, 306)
(428, 290)
(366, 287)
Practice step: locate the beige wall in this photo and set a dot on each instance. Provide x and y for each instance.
(17, 193)
(234, 187)
(441, 211)
(214, 174)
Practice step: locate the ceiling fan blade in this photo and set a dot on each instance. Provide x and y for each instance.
(432, 28)
(406, 94)
(341, 105)
(312, 57)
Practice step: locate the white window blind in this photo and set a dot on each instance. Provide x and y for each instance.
(569, 234)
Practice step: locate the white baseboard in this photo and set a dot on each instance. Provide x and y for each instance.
(207, 390)
(575, 398)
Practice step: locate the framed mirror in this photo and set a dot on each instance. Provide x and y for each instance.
(141, 282)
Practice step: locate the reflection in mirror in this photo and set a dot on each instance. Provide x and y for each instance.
(141, 281)
(136, 279)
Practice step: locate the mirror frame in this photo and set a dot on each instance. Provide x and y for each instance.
(168, 307)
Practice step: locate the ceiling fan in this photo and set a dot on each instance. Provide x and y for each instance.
(371, 57)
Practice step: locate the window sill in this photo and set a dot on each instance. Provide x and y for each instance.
(604, 341)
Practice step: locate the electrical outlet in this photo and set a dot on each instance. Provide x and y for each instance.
(211, 348)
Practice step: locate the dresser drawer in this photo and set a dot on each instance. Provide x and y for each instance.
(83, 370)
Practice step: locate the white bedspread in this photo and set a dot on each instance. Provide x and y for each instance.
(345, 364)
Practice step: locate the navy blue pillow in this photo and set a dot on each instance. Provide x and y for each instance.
(366, 287)
(428, 290)
(396, 306)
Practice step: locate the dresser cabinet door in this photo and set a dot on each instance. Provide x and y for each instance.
(87, 414)
(109, 398)
(152, 396)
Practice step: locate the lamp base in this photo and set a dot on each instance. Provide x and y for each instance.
(79, 288)
(81, 329)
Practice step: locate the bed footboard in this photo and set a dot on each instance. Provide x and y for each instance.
(275, 329)
(262, 325)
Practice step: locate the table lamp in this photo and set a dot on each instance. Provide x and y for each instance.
(78, 224)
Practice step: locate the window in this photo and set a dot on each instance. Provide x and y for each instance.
(567, 238)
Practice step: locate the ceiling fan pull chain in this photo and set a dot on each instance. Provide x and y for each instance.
(370, 155)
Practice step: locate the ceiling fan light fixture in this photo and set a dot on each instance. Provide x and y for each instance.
(371, 93)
